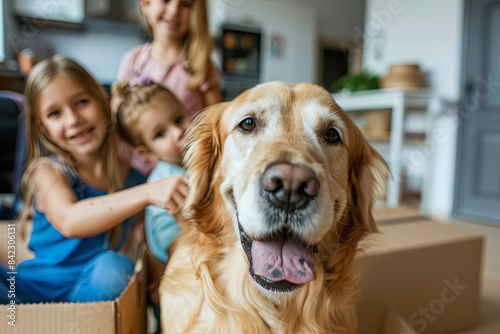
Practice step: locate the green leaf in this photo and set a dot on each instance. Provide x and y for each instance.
(355, 82)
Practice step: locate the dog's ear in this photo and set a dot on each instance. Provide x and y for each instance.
(367, 172)
(203, 154)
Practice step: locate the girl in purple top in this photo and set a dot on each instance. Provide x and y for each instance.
(178, 58)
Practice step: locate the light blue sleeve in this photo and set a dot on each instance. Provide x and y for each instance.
(161, 227)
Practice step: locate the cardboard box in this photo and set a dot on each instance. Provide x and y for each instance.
(403, 213)
(395, 323)
(126, 314)
(21, 244)
(426, 271)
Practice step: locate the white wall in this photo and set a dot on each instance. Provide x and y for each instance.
(425, 31)
(99, 52)
(429, 33)
(336, 18)
(295, 23)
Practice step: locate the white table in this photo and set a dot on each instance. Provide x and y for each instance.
(398, 101)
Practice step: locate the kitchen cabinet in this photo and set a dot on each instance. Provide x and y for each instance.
(74, 12)
(114, 10)
(68, 11)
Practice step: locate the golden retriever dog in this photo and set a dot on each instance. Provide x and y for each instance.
(282, 187)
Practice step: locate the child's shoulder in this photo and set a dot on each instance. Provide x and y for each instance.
(48, 172)
(132, 58)
(138, 49)
(164, 169)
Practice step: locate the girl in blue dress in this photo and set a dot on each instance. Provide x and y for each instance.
(83, 194)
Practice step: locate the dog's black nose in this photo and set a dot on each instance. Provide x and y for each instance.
(288, 186)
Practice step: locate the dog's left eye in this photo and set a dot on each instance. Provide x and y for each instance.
(332, 136)
(247, 125)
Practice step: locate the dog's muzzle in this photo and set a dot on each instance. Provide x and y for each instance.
(288, 187)
(281, 261)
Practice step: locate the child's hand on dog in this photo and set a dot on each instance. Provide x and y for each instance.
(171, 192)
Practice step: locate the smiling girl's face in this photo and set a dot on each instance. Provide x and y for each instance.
(70, 117)
(168, 18)
(161, 125)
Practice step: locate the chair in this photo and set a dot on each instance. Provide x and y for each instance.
(12, 147)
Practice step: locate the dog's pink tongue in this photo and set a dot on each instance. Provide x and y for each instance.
(280, 260)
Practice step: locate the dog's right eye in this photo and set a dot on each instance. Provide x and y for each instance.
(332, 136)
(247, 125)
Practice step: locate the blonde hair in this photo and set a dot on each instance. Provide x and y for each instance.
(129, 101)
(38, 143)
(198, 44)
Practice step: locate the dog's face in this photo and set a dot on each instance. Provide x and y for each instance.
(293, 170)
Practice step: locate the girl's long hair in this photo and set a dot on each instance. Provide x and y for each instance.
(39, 144)
(198, 44)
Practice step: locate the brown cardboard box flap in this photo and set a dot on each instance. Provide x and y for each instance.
(125, 315)
(61, 318)
(427, 271)
(414, 235)
(128, 315)
(395, 323)
(384, 215)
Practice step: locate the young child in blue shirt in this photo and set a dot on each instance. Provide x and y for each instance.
(153, 121)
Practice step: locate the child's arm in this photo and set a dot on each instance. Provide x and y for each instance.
(91, 216)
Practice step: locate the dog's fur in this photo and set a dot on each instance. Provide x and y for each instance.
(207, 286)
